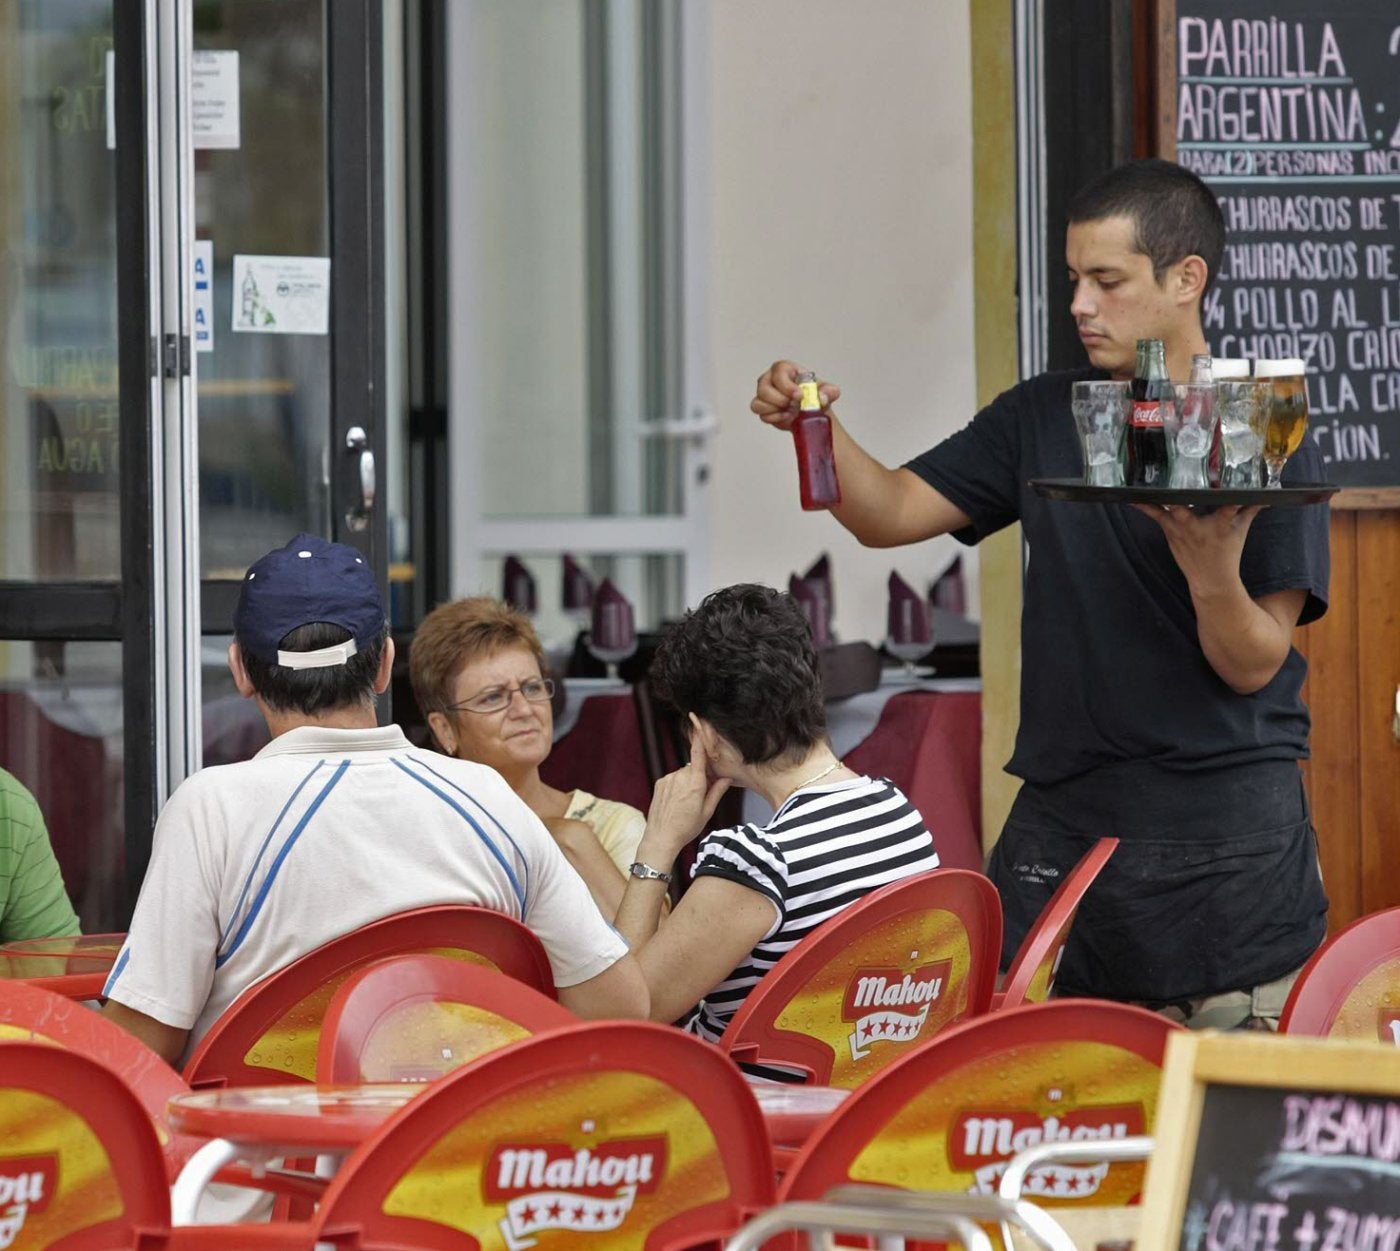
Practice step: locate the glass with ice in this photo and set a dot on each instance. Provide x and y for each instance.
(1190, 434)
(1100, 411)
(1239, 402)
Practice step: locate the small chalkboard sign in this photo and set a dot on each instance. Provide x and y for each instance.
(1290, 111)
(1267, 1143)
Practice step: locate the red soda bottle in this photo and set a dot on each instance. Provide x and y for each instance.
(816, 459)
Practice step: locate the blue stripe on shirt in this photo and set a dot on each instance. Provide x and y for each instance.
(480, 833)
(257, 860)
(247, 925)
(116, 972)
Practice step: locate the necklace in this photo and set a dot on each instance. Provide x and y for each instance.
(816, 777)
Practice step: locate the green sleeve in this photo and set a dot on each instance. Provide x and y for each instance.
(33, 903)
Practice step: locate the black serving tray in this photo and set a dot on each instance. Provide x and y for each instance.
(1290, 495)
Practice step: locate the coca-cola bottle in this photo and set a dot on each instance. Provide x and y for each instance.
(816, 460)
(1146, 437)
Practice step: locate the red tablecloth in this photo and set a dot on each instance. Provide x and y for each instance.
(927, 742)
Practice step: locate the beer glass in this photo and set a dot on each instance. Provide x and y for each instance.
(1191, 432)
(1285, 413)
(1240, 403)
(1100, 411)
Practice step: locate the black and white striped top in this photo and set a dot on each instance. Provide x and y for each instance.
(824, 849)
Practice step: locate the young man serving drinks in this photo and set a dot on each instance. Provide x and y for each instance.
(1160, 695)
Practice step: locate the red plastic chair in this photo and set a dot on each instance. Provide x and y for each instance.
(602, 1125)
(877, 980)
(81, 1162)
(950, 1115)
(270, 1033)
(76, 966)
(1031, 976)
(1351, 986)
(30, 1014)
(417, 1017)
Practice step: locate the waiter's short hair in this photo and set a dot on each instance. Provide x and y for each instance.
(1175, 214)
(745, 662)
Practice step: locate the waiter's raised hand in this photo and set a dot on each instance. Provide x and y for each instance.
(775, 396)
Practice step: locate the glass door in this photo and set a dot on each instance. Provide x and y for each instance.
(191, 339)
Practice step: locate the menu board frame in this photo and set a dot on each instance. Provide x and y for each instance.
(1164, 127)
(1195, 1063)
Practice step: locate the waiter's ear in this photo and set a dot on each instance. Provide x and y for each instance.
(1189, 277)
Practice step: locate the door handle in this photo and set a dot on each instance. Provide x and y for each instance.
(1395, 723)
(356, 440)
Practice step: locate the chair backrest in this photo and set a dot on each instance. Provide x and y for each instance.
(1031, 976)
(29, 1014)
(881, 977)
(270, 1033)
(620, 1126)
(1351, 986)
(79, 1163)
(949, 1115)
(847, 669)
(417, 1017)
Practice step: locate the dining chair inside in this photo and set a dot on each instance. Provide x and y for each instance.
(1351, 986)
(417, 1017)
(876, 981)
(271, 1032)
(1031, 977)
(963, 1104)
(848, 669)
(596, 1127)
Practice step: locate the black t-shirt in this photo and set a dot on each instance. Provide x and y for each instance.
(1112, 669)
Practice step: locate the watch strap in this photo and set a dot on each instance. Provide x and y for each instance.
(638, 869)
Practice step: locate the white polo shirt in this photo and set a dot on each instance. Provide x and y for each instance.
(255, 864)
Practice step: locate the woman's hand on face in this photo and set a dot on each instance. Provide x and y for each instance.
(682, 802)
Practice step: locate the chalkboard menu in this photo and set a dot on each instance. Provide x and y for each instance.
(1291, 112)
(1268, 1143)
(1294, 1171)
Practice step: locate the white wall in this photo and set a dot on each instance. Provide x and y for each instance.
(842, 219)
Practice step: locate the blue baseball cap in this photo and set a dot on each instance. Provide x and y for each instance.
(310, 580)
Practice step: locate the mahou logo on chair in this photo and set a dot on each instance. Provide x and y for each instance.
(983, 1142)
(890, 1005)
(26, 1185)
(581, 1189)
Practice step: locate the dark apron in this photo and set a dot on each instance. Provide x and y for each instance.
(1214, 887)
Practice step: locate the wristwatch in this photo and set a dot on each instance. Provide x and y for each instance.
(641, 870)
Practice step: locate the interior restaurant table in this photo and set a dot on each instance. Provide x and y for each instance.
(925, 735)
(258, 1124)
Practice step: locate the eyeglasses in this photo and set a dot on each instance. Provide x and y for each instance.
(497, 698)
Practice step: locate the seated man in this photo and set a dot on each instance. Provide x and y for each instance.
(33, 903)
(335, 823)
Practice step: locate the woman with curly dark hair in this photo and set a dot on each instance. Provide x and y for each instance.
(742, 669)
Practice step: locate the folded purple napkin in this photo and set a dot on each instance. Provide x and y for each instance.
(909, 618)
(814, 604)
(518, 586)
(576, 594)
(612, 619)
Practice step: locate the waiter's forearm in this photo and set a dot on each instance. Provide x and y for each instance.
(1245, 640)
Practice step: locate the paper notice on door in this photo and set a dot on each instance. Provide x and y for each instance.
(214, 102)
(281, 294)
(214, 108)
(203, 295)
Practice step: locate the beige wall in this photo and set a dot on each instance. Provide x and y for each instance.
(842, 220)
